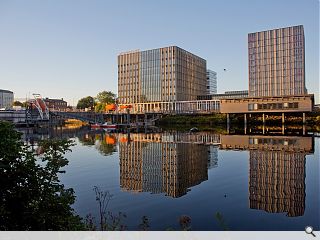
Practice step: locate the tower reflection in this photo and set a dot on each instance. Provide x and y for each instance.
(172, 163)
(277, 171)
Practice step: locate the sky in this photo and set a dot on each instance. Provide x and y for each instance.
(68, 49)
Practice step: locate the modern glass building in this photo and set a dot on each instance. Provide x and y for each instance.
(225, 95)
(211, 82)
(277, 62)
(160, 75)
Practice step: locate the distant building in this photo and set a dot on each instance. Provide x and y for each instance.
(211, 82)
(166, 74)
(6, 99)
(56, 104)
(277, 62)
(281, 104)
(228, 94)
(276, 74)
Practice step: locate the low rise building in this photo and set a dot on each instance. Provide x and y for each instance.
(6, 99)
(281, 104)
(56, 104)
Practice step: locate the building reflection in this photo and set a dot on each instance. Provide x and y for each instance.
(172, 163)
(165, 163)
(277, 171)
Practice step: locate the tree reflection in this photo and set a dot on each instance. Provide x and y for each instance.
(107, 145)
(87, 139)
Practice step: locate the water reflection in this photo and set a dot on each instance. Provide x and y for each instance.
(164, 163)
(105, 143)
(277, 171)
(172, 163)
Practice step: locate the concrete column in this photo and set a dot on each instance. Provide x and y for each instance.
(263, 119)
(304, 118)
(283, 118)
(228, 119)
(283, 129)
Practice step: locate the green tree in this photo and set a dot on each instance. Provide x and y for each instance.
(31, 195)
(106, 97)
(87, 102)
(100, 107)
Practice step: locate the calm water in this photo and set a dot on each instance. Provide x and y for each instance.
(255, 182)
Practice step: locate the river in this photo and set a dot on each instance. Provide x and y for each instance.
(221, 181)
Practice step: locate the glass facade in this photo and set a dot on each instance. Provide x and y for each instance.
(211, 82)
(165, 74)
(150, 75)
(277, 62)
(229, 94)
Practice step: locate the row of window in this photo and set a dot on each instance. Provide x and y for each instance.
(261, 53)
(169, 66)
(289, 62)
(280, 44)
(273, 106)
(271, 141)
(274, 73)
(276, 33)
(258, 53)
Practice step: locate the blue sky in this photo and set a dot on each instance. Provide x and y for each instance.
(68, 49)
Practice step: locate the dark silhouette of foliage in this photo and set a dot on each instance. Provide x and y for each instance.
(185, 223)
(221, 221)
(31, 195)
(144, 225)
(108, 221)
(86, 102)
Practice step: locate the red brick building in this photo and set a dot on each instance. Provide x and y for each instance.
(56, 104)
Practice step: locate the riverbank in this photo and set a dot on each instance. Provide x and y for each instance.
(219, 120)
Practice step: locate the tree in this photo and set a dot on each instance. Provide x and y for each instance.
(17, 103)
(106, 97)
(100, 107)
(87, 102)
(31, 195)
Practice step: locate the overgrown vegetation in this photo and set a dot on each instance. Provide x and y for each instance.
(31, 195)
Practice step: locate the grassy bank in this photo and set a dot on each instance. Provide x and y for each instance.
(211, 119)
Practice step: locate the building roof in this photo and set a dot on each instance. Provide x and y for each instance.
(53, 99)
(5, 91)
(296, 26)
(139, 51)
